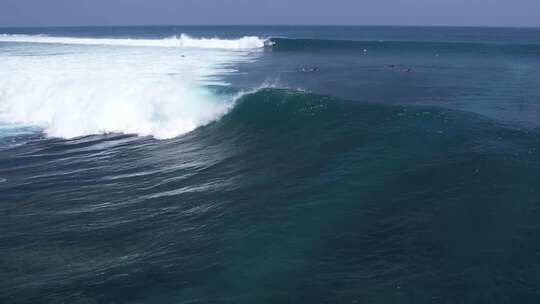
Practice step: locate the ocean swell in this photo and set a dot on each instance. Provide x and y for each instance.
(364, 46)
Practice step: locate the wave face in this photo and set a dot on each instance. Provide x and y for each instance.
(68, 90)
(350, 190)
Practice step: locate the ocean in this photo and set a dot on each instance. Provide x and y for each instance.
(269, 164)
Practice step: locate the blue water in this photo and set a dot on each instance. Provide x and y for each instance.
(333, 165)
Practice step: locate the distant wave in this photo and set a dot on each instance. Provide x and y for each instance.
(183, 41)
(304, 44)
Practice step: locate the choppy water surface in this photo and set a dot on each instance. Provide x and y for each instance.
(269, 165)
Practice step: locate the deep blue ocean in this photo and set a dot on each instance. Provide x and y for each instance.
(269, 165)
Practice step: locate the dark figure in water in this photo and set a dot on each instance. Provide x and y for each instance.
(309, 69)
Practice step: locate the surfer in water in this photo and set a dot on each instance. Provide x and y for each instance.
(309, 69)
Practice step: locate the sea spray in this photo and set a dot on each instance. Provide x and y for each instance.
(146, 91)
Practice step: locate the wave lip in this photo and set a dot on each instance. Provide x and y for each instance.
(182, 41)
(246, 42)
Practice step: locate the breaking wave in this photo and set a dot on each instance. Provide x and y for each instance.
(157, 92)
(183, 41)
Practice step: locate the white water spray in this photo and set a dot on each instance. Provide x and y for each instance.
(71, 89)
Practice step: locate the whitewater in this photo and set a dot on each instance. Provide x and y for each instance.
(71, 87)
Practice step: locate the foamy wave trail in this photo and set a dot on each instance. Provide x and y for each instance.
(182, 41)
(72, 91)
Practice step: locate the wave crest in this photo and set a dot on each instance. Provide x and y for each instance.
(182, 41)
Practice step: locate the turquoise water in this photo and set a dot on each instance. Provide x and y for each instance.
(333, 165)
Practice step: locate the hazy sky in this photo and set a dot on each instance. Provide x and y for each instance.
(237, 12)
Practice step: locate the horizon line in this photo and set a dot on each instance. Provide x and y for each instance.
(274, 25)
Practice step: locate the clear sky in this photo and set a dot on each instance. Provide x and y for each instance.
(290, 12)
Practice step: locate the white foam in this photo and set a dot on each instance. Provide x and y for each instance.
(183, 41)
(159, 92)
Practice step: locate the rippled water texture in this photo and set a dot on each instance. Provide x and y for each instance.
(269, 165)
